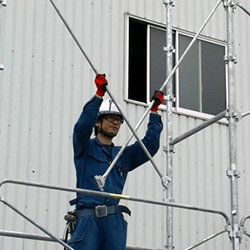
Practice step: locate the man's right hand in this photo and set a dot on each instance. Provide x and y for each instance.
(158, 99)
(101, 83)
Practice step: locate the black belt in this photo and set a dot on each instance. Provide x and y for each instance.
(102, 211)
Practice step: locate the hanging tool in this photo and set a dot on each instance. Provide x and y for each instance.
(101, 179)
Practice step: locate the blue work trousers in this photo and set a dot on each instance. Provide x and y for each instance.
(106, 233)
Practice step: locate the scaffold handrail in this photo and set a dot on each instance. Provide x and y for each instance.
(198, 128)
(117, 196)
(243, 220)
(22, 235)
(35, 224)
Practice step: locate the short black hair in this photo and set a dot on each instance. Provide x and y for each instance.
(96, 129)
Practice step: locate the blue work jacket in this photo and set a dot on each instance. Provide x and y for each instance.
(92, 158)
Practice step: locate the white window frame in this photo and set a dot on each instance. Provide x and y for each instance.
(176, 109)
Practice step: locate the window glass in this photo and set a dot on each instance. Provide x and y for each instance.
(198, 85)
(189, 89)
(213, 78)
(157, 59)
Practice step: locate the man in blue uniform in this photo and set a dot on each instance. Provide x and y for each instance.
(100, 224)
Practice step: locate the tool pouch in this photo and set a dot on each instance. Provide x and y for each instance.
(71, 219)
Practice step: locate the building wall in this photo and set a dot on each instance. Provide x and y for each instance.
(46, 82)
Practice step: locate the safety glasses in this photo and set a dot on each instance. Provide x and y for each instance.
(113, 118)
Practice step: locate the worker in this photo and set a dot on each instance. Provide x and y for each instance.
(100, 223)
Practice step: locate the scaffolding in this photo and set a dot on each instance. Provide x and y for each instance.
(233, 226)
(3, 3)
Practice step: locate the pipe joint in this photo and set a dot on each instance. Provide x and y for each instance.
(233, 114)
(169, 247)
(169, 98)
(231, 58)
(233, 173)
(235, 234)
(169, 2)
(169, 49)
(169, 149)
(242, 230)
(230, 3)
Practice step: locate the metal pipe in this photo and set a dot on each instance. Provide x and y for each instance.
(165, 179)
(190, 45)
(101, 179)
(35, 224)
(199, 128)
(1, 4)
(22, 235)
(243, 220)
(242, 224)
(248, 235)
(233, 173)
(139, 248)
(206, 240)
(169, 121)
(115, 196)
(245, 10)
(74, 37)
(15, 234)
(246, 114)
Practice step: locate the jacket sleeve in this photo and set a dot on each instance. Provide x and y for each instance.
(84, 125)
(134, 154)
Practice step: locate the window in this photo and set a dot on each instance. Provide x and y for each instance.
(137, 75)
(198, 85)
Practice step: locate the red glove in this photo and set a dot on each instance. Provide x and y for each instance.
(158, 99)
(101, 83)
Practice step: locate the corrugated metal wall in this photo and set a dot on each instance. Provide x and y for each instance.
(44, 85)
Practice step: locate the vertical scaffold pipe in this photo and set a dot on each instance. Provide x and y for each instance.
(232, 171)
(1, 4)
(169, 92)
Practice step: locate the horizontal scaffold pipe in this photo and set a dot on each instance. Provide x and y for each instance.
(198, 128)
(243, 220)
(35, 224)
(22, 235)
(115, 196)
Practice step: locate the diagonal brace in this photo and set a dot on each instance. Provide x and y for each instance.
(35, 224)
(101, 179)
(165, 180)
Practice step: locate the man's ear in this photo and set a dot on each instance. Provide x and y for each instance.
(97, 128)
(97, 124)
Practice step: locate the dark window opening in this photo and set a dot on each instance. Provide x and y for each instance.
(137, 89)
(201, 84)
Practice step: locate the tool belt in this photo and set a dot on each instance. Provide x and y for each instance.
(102, 211)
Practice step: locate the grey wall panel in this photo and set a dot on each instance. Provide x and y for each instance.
(190, 15)
(47, 80)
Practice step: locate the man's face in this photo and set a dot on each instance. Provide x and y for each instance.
(110, 124)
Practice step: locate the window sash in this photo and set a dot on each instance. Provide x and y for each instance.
(199, 91)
